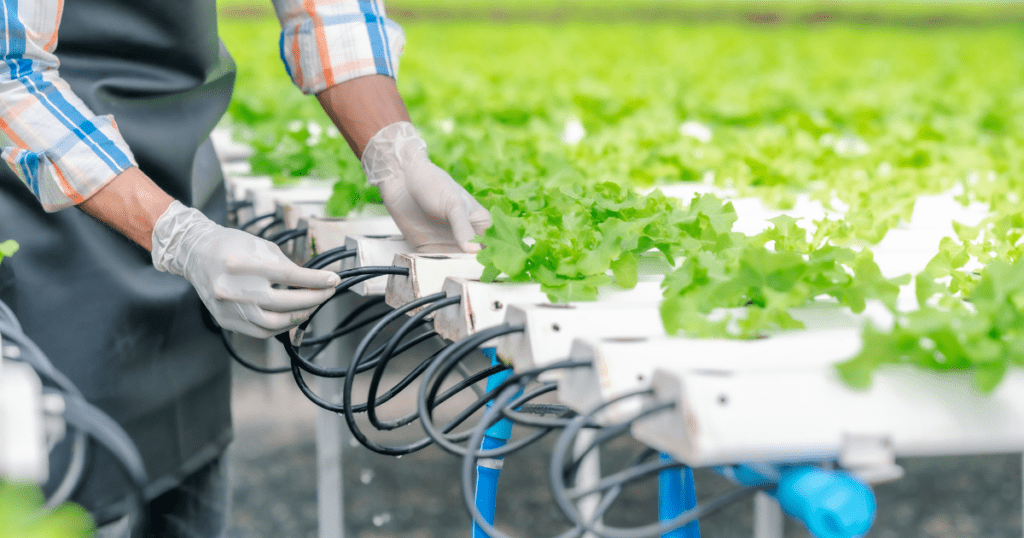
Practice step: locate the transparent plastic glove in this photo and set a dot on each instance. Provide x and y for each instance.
(434, 213)
(234, 273)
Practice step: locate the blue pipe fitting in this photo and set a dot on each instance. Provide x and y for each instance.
(832, 504)
(676, 495)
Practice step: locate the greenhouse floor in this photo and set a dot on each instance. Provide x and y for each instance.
(273, 470)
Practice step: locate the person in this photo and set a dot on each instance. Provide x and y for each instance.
(115, 120)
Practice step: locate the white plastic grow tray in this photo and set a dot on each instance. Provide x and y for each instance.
(327, 233)
(485, 305)
(551, 329)
(779, 404)
(264, 200)
(623, 364)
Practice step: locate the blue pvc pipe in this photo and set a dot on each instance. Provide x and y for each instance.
(676, 495)
(488, 471)
(487, 486)
(832, 504)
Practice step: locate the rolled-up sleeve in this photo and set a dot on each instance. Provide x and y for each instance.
(327, 42)
(59, 148)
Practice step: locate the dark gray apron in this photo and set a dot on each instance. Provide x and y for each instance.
(130, 337)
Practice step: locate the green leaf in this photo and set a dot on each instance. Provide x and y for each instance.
(504, 248)
(625, 270)
(22, 515)
(987, 378)
(8, 248)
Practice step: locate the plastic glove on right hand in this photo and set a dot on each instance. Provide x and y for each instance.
(433, 212)
(235, 273)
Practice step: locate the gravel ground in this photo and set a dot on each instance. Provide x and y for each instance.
(418, 496)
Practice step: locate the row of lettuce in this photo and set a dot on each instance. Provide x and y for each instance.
(565, 131)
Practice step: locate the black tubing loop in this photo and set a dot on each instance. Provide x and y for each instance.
(343, 327)
(235, 206)
(560, 471)
(452, 354)
(245, 362)
(359, 358)
(469, 460)
(351, 277)
(341, 288)
(426, 405)
(389, 353)
(315, 261)
(263, 231)
(285, 236)
(256, 219)
(609, 432)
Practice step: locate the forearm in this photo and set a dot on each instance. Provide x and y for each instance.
(363, 106)
(131, 204)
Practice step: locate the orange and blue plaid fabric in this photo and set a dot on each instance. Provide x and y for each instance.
(65, 153)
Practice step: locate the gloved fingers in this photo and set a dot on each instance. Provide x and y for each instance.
(288, 301)
(289, 274)
(462, 228)
(243, 327)
(275, 322)
(479, 218)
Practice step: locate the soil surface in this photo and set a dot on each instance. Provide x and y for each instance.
(273, 467)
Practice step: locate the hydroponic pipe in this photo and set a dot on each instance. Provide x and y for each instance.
(675, 496)
(832, 504)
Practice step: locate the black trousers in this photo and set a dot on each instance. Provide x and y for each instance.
(197, 508)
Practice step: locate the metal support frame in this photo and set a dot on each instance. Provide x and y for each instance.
(331, 427)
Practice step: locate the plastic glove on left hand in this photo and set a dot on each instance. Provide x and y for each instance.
(235, 273)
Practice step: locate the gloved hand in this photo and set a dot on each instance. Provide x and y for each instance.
(234, 271)
(433, 212)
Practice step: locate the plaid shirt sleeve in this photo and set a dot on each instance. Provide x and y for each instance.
(61, 150)
(327, 42)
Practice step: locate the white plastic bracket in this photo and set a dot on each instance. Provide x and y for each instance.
(872, 458)
(328, 233)
(24, 450)
(427, 274)
(482, 305)
(373, 251)
(551, 328)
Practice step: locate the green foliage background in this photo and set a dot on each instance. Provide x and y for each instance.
(864, 118)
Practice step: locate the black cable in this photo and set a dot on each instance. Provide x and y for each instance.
(235, 206)
(426, 404)
(287, 235)
(560, 471)
(245, 362)
(340, 329)
(524, 419)
(328, 257)
(74, 472)
(386, 354)
(354, 276)
(469, 462)
(607, 433)
(389, 353)
(279, 369)
(458, 350)
(256, 219)
(263, 231)
(301, 382)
